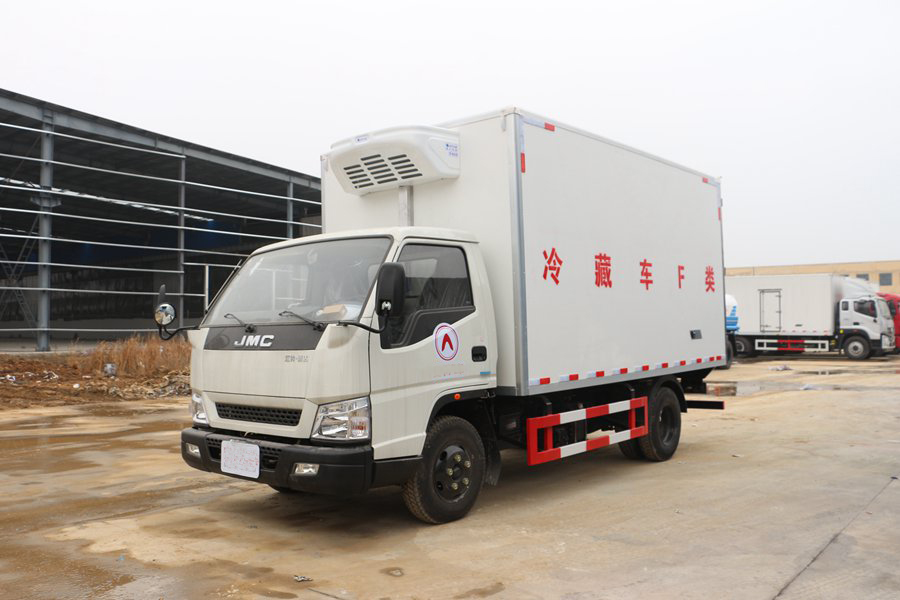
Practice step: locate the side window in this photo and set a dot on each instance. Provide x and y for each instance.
(864, 307)
(845, 305)
(438, 291)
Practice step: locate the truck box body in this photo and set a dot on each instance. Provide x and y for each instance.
(605, 263)
(791, 304)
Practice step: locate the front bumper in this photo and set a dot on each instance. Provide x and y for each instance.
(342, 470)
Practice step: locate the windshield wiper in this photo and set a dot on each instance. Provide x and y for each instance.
(248, 327)
(320, 325)
(317, 325)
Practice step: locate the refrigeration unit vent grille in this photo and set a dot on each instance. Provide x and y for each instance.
(376, 169)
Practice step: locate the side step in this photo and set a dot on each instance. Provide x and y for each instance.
(548, 422)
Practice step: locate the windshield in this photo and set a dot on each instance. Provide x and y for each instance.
(321, 281)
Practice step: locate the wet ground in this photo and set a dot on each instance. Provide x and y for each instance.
(791, 492)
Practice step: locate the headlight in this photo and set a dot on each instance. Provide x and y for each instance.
(198, 414)
(345, 420)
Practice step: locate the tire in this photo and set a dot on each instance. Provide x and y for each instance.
(742, 346)
(631, 450)
(283, 490)
(729, 356)
(661, 441)
(451, 444)
(857, 348)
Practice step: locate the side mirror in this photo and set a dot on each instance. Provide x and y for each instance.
(390, 289)
(165, 312)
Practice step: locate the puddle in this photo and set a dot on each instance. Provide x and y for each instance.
(850, 372)
(748, 388)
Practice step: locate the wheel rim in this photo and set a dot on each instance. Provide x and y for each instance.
(666, 425)
(739, 347)
(453, 472)
(855, 348)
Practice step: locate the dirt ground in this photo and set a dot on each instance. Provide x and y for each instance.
(59, 380)
(791, 492)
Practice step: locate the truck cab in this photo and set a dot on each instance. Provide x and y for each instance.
(293, 349)
(893, 303)
(866, 327)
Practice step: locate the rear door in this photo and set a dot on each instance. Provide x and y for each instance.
(770, 311)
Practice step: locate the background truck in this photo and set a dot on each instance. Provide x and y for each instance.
(893, 302)
(505, 281)
(810, 313)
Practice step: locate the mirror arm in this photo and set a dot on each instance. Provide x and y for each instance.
(166, 335)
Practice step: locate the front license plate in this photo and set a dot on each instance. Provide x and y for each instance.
(239, 458)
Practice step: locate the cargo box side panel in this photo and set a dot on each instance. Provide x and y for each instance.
(623, 260)
(806, 303)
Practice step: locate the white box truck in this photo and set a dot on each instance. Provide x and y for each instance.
(505, 281)
(810, 313)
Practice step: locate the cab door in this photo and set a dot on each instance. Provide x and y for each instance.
(438, 345)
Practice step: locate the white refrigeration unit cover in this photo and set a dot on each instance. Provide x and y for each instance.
(390, 158)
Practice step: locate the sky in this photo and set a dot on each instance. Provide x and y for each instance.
(794, 104)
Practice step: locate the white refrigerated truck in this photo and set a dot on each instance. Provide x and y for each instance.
(810, 313)
(504, 281)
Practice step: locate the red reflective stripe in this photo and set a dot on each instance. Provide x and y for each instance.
(573, 377)
(706, 180)
(665, 365)
(699, 360)
(544, 380)
(718, 358)
(623, 370)
(684, 362)
(600, 442)
(712, 358)
(600, 373)
(523, 162)
(596, 411)
(549, 127)
(645, 368)
(720, 213)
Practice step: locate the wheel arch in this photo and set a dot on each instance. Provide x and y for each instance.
(672, 383)
(470, 405)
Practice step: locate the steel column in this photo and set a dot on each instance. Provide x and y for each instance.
(182, 175)
(290, 211)
(45, 231)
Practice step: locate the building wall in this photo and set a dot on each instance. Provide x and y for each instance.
(884, 273)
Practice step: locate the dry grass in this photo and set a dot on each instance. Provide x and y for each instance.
(138, 356)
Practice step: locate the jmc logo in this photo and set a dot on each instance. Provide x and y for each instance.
(254, 341)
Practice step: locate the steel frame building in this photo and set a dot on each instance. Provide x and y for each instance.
(95, 214)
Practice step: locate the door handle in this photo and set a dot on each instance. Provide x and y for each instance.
(479, 353)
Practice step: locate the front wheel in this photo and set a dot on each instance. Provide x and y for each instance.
(664, 423)
(857, 348)
(446, 484)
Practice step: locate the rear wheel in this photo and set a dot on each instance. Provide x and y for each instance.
(631, 449)
(742, 346)
(446, 484)
(857, 348)
(729, 355)
(664, 420)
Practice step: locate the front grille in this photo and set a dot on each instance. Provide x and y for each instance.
(258, 414)
(268, 457)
